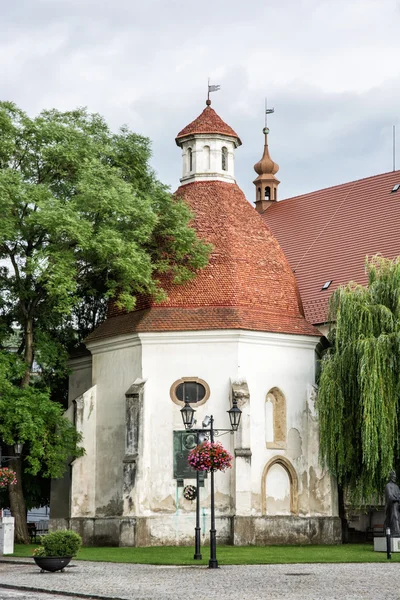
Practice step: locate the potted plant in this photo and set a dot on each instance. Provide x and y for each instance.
(210, 456)
(56, 550)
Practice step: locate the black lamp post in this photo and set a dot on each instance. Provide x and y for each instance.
(187, 413)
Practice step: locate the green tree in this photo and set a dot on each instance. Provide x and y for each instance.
(84, 219)
(28, 415)
(358, 398)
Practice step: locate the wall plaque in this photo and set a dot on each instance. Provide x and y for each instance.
(184, 441)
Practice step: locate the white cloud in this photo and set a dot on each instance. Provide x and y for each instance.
(329, 69)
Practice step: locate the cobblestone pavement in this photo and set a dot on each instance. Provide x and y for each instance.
(256, 582)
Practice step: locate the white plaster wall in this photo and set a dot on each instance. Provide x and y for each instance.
(166, 358)
(116, 365)
(287, 362)
(80, 379)
(84, 467)
(263, 360)
(277, 491)
(200, 169)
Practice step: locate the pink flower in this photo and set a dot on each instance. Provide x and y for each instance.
(210, 457)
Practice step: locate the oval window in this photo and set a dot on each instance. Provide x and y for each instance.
(190, 389)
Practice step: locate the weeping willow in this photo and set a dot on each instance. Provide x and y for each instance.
(358, 399)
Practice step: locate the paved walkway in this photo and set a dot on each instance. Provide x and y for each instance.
(257, 582)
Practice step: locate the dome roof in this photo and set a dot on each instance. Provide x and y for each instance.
(208, 122)
(266, 166)
(248, 283)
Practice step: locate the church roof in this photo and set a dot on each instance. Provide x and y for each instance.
(248, 283)
(208, 122)
(327, 234)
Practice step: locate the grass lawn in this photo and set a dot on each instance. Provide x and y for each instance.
(229, 555)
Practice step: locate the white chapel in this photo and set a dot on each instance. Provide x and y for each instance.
(237, 331)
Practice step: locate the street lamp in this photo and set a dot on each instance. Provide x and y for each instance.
(18, 451)
(187, 413)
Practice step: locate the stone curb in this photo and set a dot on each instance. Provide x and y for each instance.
(25, 588)
(15, 561)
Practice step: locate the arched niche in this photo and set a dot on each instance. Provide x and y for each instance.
(275, 419)
(286, 465)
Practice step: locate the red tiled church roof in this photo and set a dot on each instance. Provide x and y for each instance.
(327, 234)
(248, 283)
(208, 122)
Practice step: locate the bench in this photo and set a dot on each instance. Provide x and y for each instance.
(377, 530)
(37, 529)
(32, 531)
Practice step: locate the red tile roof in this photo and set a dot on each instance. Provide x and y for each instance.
(327, 234)
(208, 122)
(248, 283)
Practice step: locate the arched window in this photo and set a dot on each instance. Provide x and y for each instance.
(280, 487)
(267, 193)
(206, 154)
(259, 194)
(224, 158)
(274, 193)
(275, 419)
(190, 157)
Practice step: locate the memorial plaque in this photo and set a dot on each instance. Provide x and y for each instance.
(184, 441)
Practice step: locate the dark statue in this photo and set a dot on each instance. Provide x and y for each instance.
(392, 499)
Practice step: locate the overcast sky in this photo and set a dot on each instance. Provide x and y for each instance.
(330, 69)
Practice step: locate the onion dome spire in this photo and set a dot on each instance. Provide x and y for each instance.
(266, 183)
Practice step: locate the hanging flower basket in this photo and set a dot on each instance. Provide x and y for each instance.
(210, 457)
(7, 477)
(190, 492)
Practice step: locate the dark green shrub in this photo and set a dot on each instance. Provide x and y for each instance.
(61, 543)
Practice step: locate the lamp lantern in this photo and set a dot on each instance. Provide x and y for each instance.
(234, 415)
(187, 413)
(18, 449)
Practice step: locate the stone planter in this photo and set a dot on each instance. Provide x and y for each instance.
(52, 563)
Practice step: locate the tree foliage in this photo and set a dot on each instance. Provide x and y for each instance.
(358, 398)
(83, 220)
(28, 415)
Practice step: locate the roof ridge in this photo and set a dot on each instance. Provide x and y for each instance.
(332, 187)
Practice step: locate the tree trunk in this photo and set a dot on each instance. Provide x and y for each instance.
(17, 504)
(15, 492)
(28, 354)
(342, 515)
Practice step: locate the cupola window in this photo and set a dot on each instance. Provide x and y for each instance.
(224, 159)
(267, 193)
(206, 151)
(259, 194)
(190, 157)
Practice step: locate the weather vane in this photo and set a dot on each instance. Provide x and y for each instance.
(268, 111)
(211, 88)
